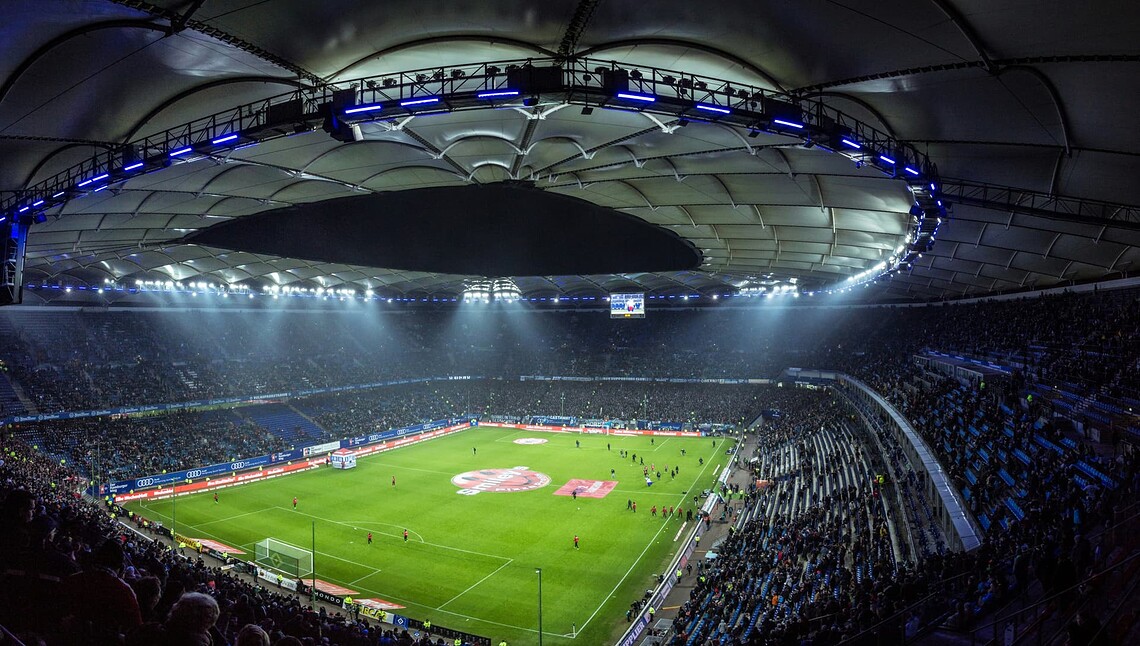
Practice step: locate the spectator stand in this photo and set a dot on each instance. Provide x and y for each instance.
(952, 514)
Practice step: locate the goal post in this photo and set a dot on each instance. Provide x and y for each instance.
(283, 557)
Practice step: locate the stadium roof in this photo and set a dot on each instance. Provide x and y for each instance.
(1025, 113)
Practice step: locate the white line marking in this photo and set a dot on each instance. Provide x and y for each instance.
(411, 603)
(475, 584)
(680, 530)
(445, 547)
(222, 520)
(636, 561)
(397, 466)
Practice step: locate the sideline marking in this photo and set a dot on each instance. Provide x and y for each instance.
(473, 585)
(680, 530)
(639, 557)
(414, 604)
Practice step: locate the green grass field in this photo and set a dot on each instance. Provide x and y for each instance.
(470, 560)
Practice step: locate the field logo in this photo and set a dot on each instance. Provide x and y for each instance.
(531, 440)
(499, 480)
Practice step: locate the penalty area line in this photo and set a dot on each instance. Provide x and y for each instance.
(474, 585)
(422, 542)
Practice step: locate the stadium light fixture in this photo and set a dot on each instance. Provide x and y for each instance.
(887, 160)
(180, 151)
(224, 139)
(496, 94)
(131, 167)
(358, 109)
(788, 124)
(631, 96)
(427, 100)
(37, 203)
(713, 108)
(910, 170)
(851, 143)
(92, 180)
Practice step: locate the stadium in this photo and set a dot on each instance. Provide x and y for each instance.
(351, 323)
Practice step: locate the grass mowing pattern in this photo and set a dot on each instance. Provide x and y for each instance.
(469, 562)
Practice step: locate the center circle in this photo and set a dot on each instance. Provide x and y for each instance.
(501, 480)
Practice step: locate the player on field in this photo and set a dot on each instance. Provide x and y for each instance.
(215, 497)
(575, 541)
(393, 481)
(369, 538)
(405, 536)
(294, 502)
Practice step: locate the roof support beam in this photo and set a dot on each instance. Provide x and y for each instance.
(43, 50)
(964, 65)
(859, 102)
(1053, 94)
(1045, 205)
(967, 30)
(189, 92)
(435, 40)
(577, 25)
(686, 44)
(48, 157)
(197, 25)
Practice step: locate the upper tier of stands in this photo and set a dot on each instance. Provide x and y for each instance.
(78, 360)
(820, 553)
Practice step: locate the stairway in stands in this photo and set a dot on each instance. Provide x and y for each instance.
(11, 401)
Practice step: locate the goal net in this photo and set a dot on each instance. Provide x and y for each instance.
(283, 557)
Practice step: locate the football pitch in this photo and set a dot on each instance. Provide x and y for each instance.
(470, 560)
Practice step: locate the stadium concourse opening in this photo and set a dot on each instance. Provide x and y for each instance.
(502, 229)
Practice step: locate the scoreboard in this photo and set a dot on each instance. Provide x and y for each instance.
(627, 306)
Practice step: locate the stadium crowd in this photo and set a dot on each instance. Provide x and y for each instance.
(72, 575)
(68, 360)
(109, 449)
(804, 568)
(824, 552)
(114, 449)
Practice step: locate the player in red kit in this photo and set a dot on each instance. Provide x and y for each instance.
(369, 538)
(294, 502)
(405, 536)
(575, 541)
